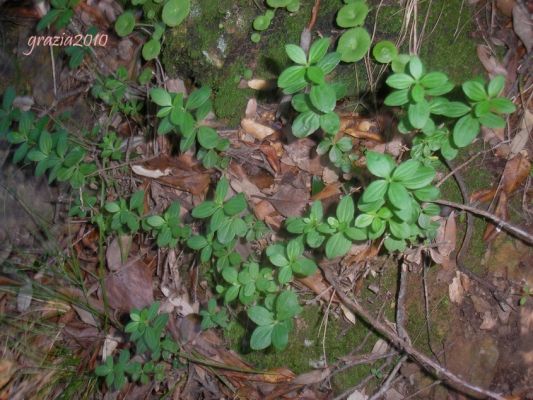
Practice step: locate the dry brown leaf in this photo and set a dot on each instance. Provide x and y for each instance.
(318, 285)
(256, 130)
(311, 377)
(506, 6)
(330, 190)
(446, 239)
(501, 212)
(261, 84)
(181, 172)
(522, 137)
(7, 369)
(290, 201)
(381, 347)
(271, 155)
(459, 286)
(523, 26)
(301, 153)
(349, 315)
(118, 285)
(491, 64)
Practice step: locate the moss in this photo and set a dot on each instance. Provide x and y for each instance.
(340, 340)
(448, 44)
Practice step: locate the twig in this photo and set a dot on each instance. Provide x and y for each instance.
(388, 382)
(314, 14)
(400, 304)
(427, 363)
(512, 229)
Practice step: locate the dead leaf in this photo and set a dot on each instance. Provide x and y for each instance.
(261, 84)
(118, 285)
(459, 286)
(86, 316)
(491, 64)
(290, 201)
(381, 347)
(311, 377)
(24, 297)
(7, 369)
(301, 153)
(256, 130)
(318, 285)
(501, 212)
(357, 395)
(446, 239)
(522, 25)
(181, 172)
(330, 190)
(251, 108)
(522, 136)
(350, 316)
(506, 6)
(489, 322)
(272, 156)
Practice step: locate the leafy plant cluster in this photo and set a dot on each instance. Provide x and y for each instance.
(157, 15)
(44, 142)
(185, 117)
(442, 124)
(59, 15)
(263, 21)
(155, 352)
(355, 41)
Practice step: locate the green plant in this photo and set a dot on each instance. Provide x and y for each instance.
(211, 318)
(355, 42)
(275, 323)
(290, 260)
(158, 16)
(60, 13)
(110, 147)
(8, 114)
(146, 334)
(185, 117)
(126, 216)
(167, 227)
(224, 219)
(263, 21)
(114, 91)
(526, 293)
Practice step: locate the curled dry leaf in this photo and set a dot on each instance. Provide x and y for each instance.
(348, 314)
(491, 64)
(7, 369)
(459, 286)
(446, 239)
(255, 129)
(522, 136)
(301, 153)
(523, 25)
(311, 377)
(180, 172)
(381, 347)
(318, 285)
(360, 128)
(506, 6)
(262, 84)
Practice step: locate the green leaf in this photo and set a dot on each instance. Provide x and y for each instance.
(405, 170)
(379, 164)
(207, 137)
(197, 98)
(352, 14)
(428, 193)
(363, 220)
(496, 85)
(175, 11)
(294, 249)
(285, 275)
(418, 114)
(491, 120)
(337, 246)
(502, 105)
(230, 275)
(261, 337)
(231, 294)
(296, 54)
(197, 242)
(434, 80)
(323, 97)
(305, 266)
(287, 306)
(415, 67)
(292, 75)
(36, 155)
(385, 51)
(260, 315)
(204, 210)
(375, 191)
(299, 102)
(45, 142)
(151, 49)
(235, 205)
(400, 81)
(417, 93)
(330, 123)
(398, 195)
(465, 131)
(137, 201)
(400, 230)
(354, 44)
(474, 91)
(318, 50)
(315, 75)
(423, 177)
(397, 98)
(155, 221)
(345, 209)
(280, 336)
(125, 23)
(305, 124)
(329, 62)
(394, 245)
(451, 109)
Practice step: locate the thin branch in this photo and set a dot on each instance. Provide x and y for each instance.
(501, 224)
(427, 363)
(388, 382)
